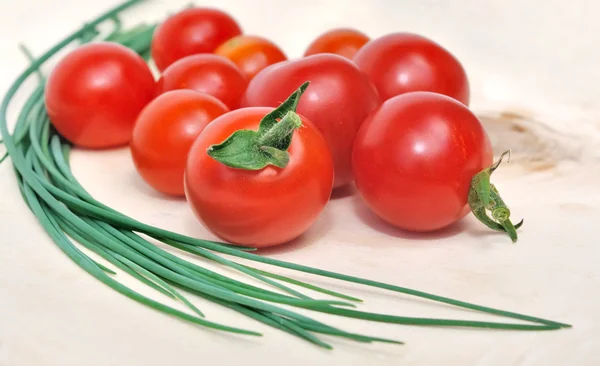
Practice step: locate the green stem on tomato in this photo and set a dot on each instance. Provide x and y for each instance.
(484, 197)
(254, 150)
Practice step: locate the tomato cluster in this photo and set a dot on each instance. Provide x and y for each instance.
(256, 142)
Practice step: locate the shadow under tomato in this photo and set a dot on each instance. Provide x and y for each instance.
(343, 192)
(370, 219)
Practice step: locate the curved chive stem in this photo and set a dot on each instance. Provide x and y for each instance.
(304, 284)
(206, 254)
(52, 228)
(128, 266)
(254, 150)
(31, 58)
(484, 197)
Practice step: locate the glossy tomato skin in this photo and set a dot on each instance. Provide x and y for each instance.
(164, 132)
(340, 41)
(206, 73)
(95, 93)
(191, 31)
(403, 62)
(265, 207)
(337, 100)
(251, 53)
(414, 159)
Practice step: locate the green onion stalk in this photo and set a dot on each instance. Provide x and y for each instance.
(72, 218)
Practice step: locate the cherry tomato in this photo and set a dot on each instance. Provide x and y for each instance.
(164, 132)
(414, 158)
(206, 73)
(341, 41)
(337, 100)
(251, 53)
(191, 31)
(263, 207)
(95, 93)
(402, 62)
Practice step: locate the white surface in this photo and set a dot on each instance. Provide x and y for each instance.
(537, 60)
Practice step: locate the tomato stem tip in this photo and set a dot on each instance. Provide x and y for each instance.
(484, 197)
(254, 150)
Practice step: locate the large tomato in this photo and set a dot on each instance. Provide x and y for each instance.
(95, 93)
(337, 101)
(266, 205)
(403, 62)
(206, 73)
(251, 53)
(414, 159)
(191, 31)
(164, 132)
(341, 41)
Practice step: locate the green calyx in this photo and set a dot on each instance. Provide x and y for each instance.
(484, 197)
(254, 150)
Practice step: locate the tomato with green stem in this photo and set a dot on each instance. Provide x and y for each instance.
(415, 157)
(337, 101)
(251, 53)
(341, 41)
(403, 62)
(191, 31)
(95, 93)
(164, 132)
(206, 73)
(259, 176)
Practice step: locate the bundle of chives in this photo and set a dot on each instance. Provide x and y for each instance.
(69, 214)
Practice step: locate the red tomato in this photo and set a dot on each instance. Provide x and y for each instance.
(414, 158)
(191, 31)
(263, 207)
(341, 41)
(95, 93)
(164, 132)
(337, 101)
(404, 62)
(251, 53)
(206, 73)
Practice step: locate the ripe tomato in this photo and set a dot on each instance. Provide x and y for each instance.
(341, 41)
(251, 53)
(337, 100)
(206, 73)
(164, 132)
(414, 158)
(191, 31)
(95, 93)
(404, 62)
(262, 207)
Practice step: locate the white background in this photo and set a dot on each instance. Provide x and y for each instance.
(533, 63)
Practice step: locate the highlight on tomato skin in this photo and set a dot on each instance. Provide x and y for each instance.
(95, 92)
(164, 132)
(399, 63)
(414, 159)
(258, 208)
(206, 73)
(191, 31)
(340, 41)
(251, 53)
